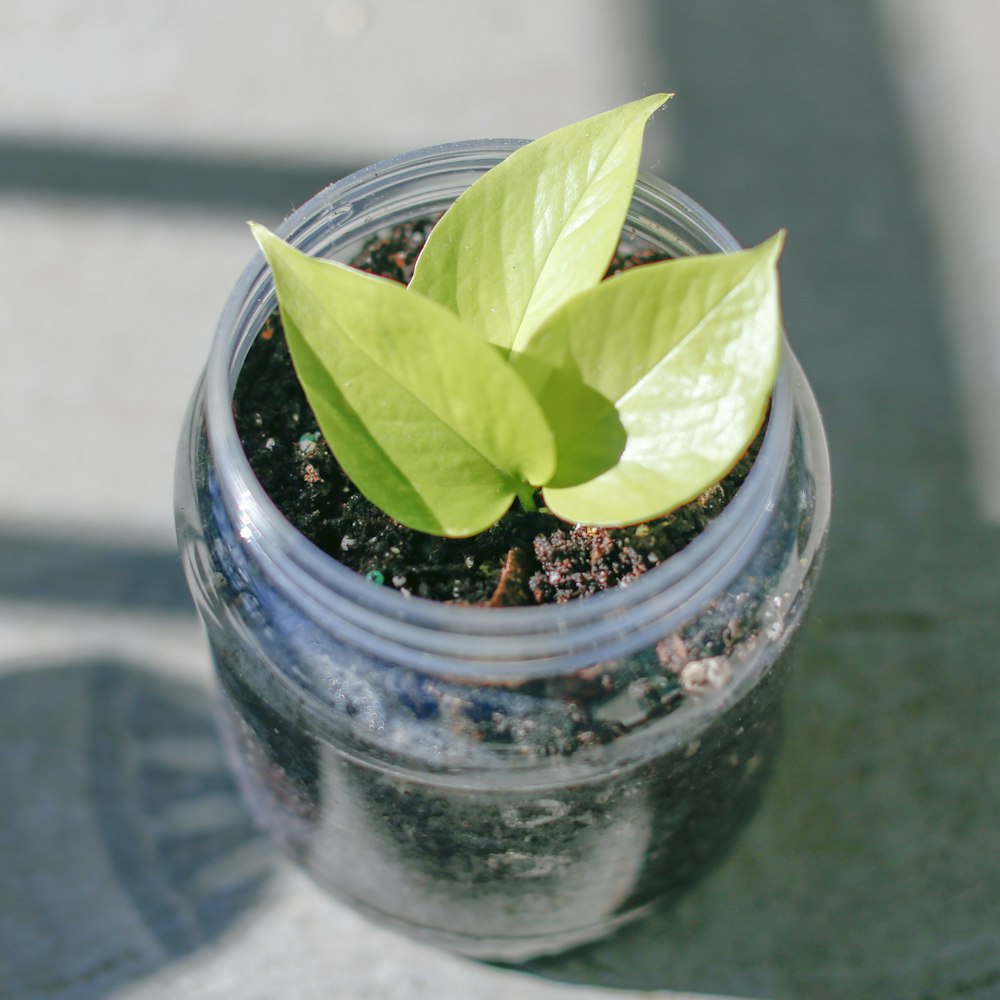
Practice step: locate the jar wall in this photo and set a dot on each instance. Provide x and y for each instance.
(518, 783)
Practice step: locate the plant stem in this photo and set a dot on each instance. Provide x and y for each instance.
(526, 497)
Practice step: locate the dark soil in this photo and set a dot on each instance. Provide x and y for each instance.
(526, 558)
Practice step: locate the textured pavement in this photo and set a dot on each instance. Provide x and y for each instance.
(135, 139)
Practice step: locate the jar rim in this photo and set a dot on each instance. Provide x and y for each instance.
(544, 637)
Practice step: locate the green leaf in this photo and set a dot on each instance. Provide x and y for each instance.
(687, 350)
(589, 433)
(427, 419)
(538, 228)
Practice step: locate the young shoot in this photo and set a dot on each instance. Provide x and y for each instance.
(508, 365)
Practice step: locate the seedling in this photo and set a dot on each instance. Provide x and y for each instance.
(508, 365)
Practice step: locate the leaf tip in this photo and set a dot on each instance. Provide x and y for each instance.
(648, 106)
(775, 244)
(261, 234)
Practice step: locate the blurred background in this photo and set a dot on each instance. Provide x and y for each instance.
(135, 140)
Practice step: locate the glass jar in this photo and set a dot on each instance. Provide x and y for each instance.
(505, 782)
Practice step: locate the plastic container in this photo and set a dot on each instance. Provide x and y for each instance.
(505, 782)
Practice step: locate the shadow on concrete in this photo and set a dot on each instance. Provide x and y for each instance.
(162, 177)
(89, 575)
(124, 845)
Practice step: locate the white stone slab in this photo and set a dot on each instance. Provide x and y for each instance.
(343, 79)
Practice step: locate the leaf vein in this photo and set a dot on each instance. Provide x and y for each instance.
(677, 345)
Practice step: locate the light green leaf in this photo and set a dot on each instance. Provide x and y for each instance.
(687, 350)
(538, 228)
(589, 434)
(427, 419)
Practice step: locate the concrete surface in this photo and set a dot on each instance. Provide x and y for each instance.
(134, 141)
(949, 83)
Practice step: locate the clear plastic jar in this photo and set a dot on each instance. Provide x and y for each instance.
(503, 781)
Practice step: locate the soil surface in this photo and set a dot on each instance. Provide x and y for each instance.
(526, 558)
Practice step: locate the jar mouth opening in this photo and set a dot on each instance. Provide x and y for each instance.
(674, 588)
